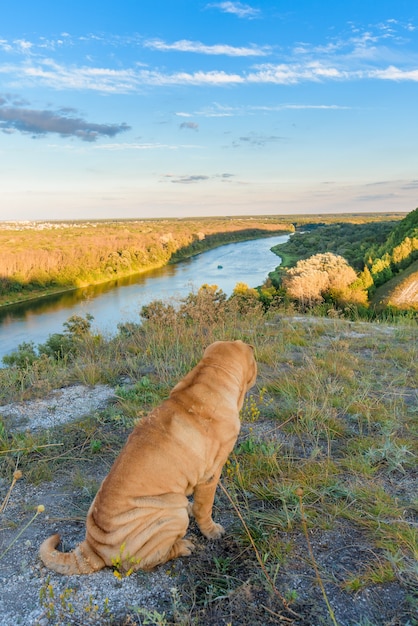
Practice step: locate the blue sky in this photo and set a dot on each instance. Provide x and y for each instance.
(172, 108)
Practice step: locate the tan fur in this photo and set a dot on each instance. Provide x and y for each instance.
(141, 513)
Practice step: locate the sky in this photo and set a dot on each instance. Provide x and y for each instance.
(185, 108)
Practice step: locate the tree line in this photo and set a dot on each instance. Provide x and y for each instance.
(75, 255)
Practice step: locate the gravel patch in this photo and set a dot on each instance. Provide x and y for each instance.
(58, 407)
(98, 599)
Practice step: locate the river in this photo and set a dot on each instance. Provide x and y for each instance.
(120, 301)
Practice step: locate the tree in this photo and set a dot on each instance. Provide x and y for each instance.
(246, 298)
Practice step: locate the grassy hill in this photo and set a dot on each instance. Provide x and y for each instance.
(318, 497)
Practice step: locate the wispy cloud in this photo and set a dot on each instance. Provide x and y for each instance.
(221, 110)
(236, 8)
(379, 53)
(413, 184)
(255, 140)
(132, 80)
(64, 122)
(376, 197)
(112, 147)
(214, 110)
(189, 125)
(288, 74)
(184, 45)
(188, 179)
(380, 43)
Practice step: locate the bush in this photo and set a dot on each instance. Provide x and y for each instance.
(23, 357)
(312, 278)
(57, 346)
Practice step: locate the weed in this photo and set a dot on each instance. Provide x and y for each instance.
(254, 407)
(17, 475)
(66, 607)
(151, 617)
(124, 564)
(394, 456)
(135, 400)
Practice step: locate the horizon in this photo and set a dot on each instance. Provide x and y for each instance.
(163, 110)
(282, 217)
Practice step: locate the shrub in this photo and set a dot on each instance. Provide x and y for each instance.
(312, 278)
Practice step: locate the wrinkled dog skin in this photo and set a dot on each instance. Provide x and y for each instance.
(141, 511)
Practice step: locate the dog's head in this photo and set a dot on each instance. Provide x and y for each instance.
(237, 358)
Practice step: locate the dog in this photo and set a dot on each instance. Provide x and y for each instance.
(140, 515)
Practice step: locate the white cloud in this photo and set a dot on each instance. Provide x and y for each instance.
(23, 45)
(360, 56)
(287, 74)
(236, 8)
(184, 45)
(395, 74)
(57, 76)
(190, 78)
(106, 80)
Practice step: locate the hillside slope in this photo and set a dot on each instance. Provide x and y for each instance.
(400, 292)
(397, 253)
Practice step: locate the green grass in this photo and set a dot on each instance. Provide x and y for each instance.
(332, 417)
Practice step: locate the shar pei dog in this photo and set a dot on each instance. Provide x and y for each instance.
(140, 514)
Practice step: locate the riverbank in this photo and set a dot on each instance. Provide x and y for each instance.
(120, 301)
(40, 262)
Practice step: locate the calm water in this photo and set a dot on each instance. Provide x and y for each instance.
(121, 301)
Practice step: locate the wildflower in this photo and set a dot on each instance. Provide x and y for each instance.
(17, 475)
(40, 509)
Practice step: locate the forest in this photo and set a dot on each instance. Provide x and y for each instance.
(338, 260)
(40, 258)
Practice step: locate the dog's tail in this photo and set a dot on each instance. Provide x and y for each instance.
(82, 560)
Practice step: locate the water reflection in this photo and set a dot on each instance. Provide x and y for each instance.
(121, 300)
